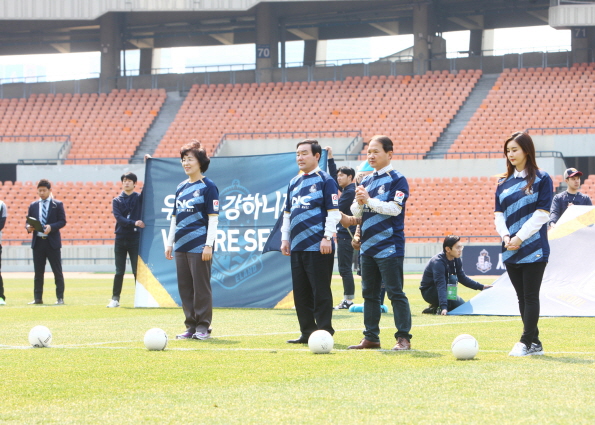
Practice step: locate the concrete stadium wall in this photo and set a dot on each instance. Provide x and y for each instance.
(78, 173)
(13, 151)
(568, 144)
(268, 146)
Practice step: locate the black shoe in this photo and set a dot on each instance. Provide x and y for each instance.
(36, 302)
(60, 301)
(300, 340)
(430, 310)
(344, 305)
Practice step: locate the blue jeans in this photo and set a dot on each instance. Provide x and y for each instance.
(345, 260)
(390, 271)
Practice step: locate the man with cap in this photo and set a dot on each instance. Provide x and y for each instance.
(570, 196)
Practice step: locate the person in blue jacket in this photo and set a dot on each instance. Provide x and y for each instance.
(441, 275)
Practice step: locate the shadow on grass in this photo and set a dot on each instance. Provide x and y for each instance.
(413, 353)
(564, 359)
(219, 341)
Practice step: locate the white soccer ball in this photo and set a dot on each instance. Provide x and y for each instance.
(40, 337)
(465, 347)
(155, 339)
(321, 342)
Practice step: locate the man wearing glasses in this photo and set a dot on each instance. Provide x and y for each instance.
(443, 272)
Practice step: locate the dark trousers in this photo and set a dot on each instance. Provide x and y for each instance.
(390, 271)
(194, 285)
(430, 295)
(345, 261)
(1, 281)
(122, 248)
(311, 273)
(526, 279)
(43, 252)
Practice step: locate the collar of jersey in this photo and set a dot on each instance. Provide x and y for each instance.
(314, 171)
(520, 174)
(386, 169)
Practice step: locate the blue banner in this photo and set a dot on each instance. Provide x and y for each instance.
(252, 193)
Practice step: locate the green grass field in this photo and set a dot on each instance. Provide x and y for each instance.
(98, 371)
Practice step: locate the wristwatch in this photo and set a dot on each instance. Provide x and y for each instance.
(328, 238)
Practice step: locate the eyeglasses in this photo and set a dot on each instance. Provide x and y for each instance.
(189, 159)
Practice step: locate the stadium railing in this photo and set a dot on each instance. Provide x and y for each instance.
(560, 130)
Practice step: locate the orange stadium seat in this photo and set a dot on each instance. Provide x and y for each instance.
(557, 100)
(96, 123)
(412, 110)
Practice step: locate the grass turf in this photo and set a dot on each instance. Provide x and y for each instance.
(99, 371)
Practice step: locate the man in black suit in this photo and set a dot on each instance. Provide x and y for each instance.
(46, 245)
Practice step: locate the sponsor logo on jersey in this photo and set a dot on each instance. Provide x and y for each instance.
(303, 201)
(335, 198)
(399, 196)
(216, 205)
(196, 193)
(381, 190)
(313, 188)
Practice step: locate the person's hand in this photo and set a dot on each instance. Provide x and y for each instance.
(361, 195)
(570, 204)
(140, 224)
(514, 244)
(443, 312)
(285, 248)
(47, 229)
(330, 152)
(349, 220)
(356, 244)
(168, 251)
(326, 246)
(506, 239)
(207, 253)
(29, 228)
(147, 156)
(487, 287)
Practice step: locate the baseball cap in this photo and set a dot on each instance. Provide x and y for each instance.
(571, 172)
(364, 166)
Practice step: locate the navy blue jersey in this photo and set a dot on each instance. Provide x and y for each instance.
(382, 235)
(561, 201)
(194, 203)
(309, 198)
(518, 206)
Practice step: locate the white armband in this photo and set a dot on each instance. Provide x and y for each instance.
(212, 229)
(332, 219)
(286, 227)
(171, 237)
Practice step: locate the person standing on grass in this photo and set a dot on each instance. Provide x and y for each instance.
(523, 199)
(439, 282)
(3, 215)
(380, 202)
(47, 244)
(570, 196)
(310, 220)
(192, 232)
(126, 208)
(344, 177)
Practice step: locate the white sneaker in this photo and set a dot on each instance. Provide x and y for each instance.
(535, 350)
(202, 336)
(113, 303)
(2, 302)
(519, 350)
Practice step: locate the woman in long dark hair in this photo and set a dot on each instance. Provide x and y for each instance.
(523, 200)
(192, 234)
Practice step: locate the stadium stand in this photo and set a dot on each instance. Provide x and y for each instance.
(463, 206)
(413, 110)
(429, 209)
(88, 211)
(103, 128)
(547, 98)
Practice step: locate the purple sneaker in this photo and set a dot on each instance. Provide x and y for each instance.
(201, 335)
(185, 335)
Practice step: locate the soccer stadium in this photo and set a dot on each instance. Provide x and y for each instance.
(91, 90)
